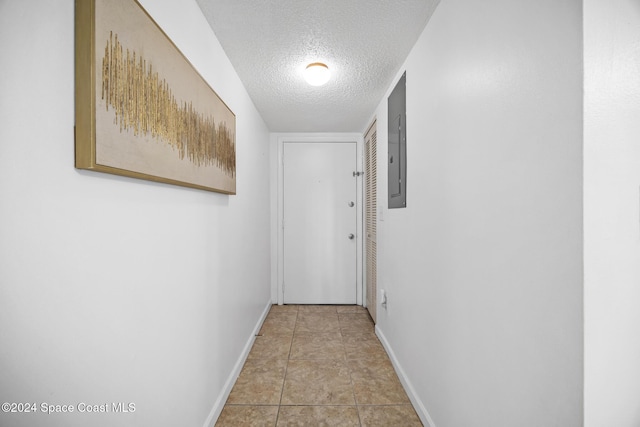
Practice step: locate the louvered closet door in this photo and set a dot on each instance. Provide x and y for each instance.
(370, 217)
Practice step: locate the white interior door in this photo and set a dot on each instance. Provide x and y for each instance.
(320, 214)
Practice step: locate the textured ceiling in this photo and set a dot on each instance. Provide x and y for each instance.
(364, 43)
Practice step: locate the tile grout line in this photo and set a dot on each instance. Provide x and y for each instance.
(353, 388)
(284, 379)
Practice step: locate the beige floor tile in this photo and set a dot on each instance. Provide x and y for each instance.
(359, 345)
(323, 345)
(328, 416)
(317, 382)
(259, 383)
(361, 317)
(317, 322)
(356, 322)
(317, 362)
(279, 323)
(375, 382)
(356, 331)
(350, 309)
(318, 309)
(283, 308)
(271, 347)
(382, 416)
(358, 328)
(250, 416)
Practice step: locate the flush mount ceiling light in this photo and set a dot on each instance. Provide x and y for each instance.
(317, 74)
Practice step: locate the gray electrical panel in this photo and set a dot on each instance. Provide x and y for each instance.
(397, 133)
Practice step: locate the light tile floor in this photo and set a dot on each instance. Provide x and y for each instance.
(318, 365)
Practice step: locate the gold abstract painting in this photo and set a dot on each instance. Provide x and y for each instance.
(142, 110)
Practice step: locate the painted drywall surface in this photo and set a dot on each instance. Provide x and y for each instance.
(483, 269)
(114, 289)
(611, 216)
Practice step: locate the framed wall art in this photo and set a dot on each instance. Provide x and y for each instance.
(142, 110)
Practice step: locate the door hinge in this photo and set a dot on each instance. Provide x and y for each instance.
(357, 173)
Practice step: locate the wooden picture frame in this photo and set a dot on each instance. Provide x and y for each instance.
(141, 108)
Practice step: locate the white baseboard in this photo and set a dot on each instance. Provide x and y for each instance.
(417, 403)
(233, 376)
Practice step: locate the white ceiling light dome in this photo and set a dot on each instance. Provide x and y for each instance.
(317, 74)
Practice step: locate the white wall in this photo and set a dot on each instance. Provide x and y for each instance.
(483, 269)
(611, 214)
(114, 289)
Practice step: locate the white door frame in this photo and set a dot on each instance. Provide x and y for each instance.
(278, 140)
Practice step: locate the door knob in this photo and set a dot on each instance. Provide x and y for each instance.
(351, 204)
(351, 236)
